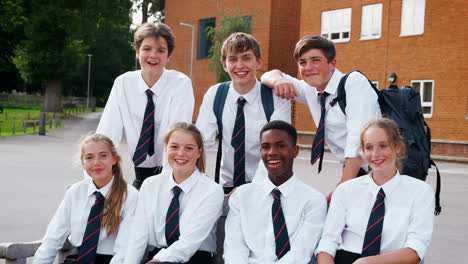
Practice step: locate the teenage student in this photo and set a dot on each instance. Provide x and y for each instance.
(382, 217)
(278, 218)
(315, 57)
(243, 116)
(95, 212)
(178, 210)
(144, 103)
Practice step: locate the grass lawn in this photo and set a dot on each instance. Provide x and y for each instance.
(17, 121)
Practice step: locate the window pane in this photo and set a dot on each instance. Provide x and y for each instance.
(336, 24)
(426, 110)
(345, 35)
(416, 86)
(204, 42)
(427, 94)
(335, 35)
(412, 17)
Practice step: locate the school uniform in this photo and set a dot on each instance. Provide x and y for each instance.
(71, 218)
(342, 132)
(250, 235)
(200, 205)
(255, 119)
(408, 220)
(125, 111)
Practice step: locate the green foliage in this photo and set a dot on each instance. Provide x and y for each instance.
(229, 25)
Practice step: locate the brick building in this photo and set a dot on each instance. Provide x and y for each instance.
(423, 42)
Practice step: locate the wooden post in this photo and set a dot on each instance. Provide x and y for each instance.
(29, 115)
(24, 127)
(42, 124)
(50, 123)
(13, 128)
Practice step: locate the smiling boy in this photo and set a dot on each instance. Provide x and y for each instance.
(144, 103)
(242, 115)
(277, 219)
(316, 60)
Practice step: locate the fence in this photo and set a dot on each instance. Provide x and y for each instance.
(26, 100)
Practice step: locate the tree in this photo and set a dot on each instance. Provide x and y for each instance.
(52, 49)
(229, 25)
(12, 20)
(151, 8)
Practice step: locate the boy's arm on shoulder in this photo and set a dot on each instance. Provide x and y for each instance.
(235, 247)
(283, 88)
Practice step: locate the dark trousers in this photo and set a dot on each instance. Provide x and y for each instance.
(100, 259)
(200, 257)
(346, 257)
(142, 174)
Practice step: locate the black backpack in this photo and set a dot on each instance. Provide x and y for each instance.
(218, 108)
(403, 105)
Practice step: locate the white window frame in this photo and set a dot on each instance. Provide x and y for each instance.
(376, 84)
(412, 17)
(371, 20)
(336, 21)
(421, 93)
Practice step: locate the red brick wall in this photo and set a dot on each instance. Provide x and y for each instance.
(438, 54)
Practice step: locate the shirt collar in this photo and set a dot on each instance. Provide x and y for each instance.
(388, 187)
(186, 185)
(104, 190)
(333, 83)
(157, 88)
(286, 188)
(249, 97)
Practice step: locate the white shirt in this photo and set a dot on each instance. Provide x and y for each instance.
(409, 215)
(249, 225)
(125, 109)
(71, 218)
(200, 201)
(342, 132)
(255, 119)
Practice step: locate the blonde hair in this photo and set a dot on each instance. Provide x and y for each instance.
(240, 42)
(193, 130)
(394, 137)
(118, 194)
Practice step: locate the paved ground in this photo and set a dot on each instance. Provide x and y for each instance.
(36, 170)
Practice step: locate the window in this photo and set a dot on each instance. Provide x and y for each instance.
(336, 24)
(204, 43)
(412, 17)
(376, 84)
(371, 24)
(426, 90)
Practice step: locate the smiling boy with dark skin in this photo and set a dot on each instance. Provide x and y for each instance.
(277, 219)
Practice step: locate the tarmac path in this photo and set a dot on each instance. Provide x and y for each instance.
(36, 170)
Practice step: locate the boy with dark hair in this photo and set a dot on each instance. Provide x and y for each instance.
(146, 102)
(242, 114)
(315, 57)
(277, 219)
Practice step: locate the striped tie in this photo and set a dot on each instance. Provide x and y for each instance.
(145, 144)
(87, 252)
(172, 218)
(279, 226)
(319, 139)
(238, 143)
(371, 245)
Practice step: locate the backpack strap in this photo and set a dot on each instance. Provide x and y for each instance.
(341, 92)
(267, 101)
(218, 108)
(438, 208)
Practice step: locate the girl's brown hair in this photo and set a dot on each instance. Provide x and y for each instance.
(393, 135)
(118, 194)
(193, 130)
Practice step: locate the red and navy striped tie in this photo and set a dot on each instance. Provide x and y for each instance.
(238, 143)
(172, 218)
(145, 144)
(319, 139)
(87, 252)
(371, 245)
(279, 226)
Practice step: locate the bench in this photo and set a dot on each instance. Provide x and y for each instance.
(19, 252)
